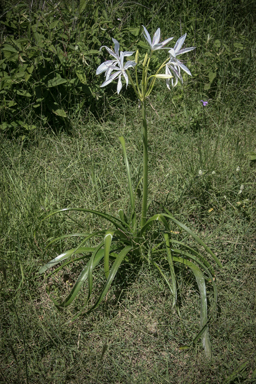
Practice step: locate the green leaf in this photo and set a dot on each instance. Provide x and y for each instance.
(251, 155)
(203, 311)
(112, 275)
(107, 243)
(3, 126)
(217, 43)
(72, 235)
(209, 54)
(92, 52)
(53, 24)
(24, 93)
(163, 275)
(201, 242)
(11, 103)
(157, 217)
(212, 76)
(170, 261)
(9, 48)
(60, 112)
(207, 86)
(56, 81)
(142, 44)
(81, 76)
(114, 220)
(82, 5)
(132, 202)
(90, 268)
(134, 31)
(81, 280)
(65, 255)
(238, 45)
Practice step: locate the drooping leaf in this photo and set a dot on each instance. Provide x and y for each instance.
(201, 242)
(63, 256)
(203, 299)
(170, 261)
(81, 280)
(112, 275)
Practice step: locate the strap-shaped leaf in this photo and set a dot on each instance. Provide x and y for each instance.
(112, 275)
(195, 253)
(132, 202)
(203, 310)
(199, 241)
(158, 217)
(114, 220)
(67, 236)
(90, 268)
(65, 255)
(81, 280)
(107, 243)
(170, 261)
(163, 275)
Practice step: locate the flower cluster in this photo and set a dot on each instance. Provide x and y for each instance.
(172, 67)
(115, 65)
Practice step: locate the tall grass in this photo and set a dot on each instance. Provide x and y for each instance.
(135, 337)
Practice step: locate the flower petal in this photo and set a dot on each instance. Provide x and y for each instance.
(176, 74)
(179, 43)
(128, 53)
(129, 64)
(104, 66)
(156, 37)
(116, 46)
(168, 72)
(112, 53)
(182, 66)
(185, 50)
(119, 84)
(126, 78)
(172, 52)
(147, 35)
(156, 47)
(166, 41)
(110, 79)
(110, 69)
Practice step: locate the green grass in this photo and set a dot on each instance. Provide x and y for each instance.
(135, 336)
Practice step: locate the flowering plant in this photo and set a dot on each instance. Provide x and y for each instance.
(128, 238)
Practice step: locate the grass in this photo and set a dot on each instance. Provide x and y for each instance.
(135, 336)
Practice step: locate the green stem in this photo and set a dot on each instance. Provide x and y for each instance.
(145, 164)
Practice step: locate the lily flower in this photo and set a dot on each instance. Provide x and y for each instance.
(155, 45)
(115, 65)
(174, 65)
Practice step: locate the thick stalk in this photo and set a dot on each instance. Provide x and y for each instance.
(145, 164)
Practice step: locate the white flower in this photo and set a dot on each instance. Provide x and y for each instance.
(213, 172)
(200, 172)
(238, 169)
(155, 45)
(115, 65)
(174, 65)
